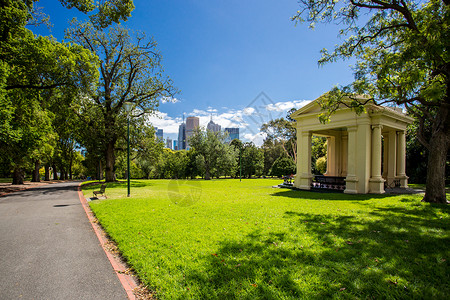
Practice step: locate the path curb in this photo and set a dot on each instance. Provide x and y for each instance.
(128, 282)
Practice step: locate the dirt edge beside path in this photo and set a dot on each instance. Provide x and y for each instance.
(7, 188)
(128, 279)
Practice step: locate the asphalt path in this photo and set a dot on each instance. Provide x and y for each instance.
(48, 249)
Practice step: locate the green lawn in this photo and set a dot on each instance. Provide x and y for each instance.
(225, 239)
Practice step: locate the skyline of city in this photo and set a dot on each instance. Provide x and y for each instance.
(183, 135)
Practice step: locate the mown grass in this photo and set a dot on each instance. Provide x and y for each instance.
(225, 239)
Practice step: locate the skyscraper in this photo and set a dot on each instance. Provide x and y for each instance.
(175, 145)
(192, 123)
(233, 133)
(213, 126)
(182, 136)
(159, 134)
(169, 143)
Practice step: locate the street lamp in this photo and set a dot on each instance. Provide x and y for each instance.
(240, 164)
(128, 107)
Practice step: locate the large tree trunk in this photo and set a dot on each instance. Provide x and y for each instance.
(437, 157)
(17, 176)
(47, 172)
(55, 173)
(110, 162)
(61, 173)
(35, 177)
(70, 168)
(99, 170)
(207, 175)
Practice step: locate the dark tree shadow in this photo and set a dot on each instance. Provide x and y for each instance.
(389, 253)
(317, 195)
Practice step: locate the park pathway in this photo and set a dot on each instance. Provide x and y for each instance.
(48, 249)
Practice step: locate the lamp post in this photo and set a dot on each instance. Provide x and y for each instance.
(128, 106)
(240, 164)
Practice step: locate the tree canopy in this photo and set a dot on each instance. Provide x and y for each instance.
(130, 71)
(35, 71)
(402, 53)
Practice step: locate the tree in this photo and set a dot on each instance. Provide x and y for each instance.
(401, 47)
(130, 71)
(282, 131)
(272, 151)
(283, 166)
(227, 164)
(252, 160)
(30, 66)
(213, 155)
(416, 155)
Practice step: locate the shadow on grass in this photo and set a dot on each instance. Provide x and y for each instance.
(117, 184)
(328, 195)
(392, 253)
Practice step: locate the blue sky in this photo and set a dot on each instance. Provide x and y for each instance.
(243, 61)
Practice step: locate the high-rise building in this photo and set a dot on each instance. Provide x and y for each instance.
(192, 123)
(182, 136)
(213, 126)
(169, 143)
(233, 133)
(159, 134)
(175, 145)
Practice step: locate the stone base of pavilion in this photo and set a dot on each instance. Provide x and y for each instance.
(387, 191)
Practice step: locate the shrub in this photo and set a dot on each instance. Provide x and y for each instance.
(283, 166)
(321, 164)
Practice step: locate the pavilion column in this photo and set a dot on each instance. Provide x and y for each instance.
(344, 156)
(351, 179)
(401, 158)
(303, 178)
(385, 155)
(392, 159)
(376, 182)
(331, 156)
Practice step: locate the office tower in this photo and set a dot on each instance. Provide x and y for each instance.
(213, 126)
(233, 133)
(159, 134)
(182, 136)
(169, 143)
(175, 145)
(192, 123)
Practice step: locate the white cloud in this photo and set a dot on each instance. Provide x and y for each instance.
(249, 110)
(163, 121)
(199, 112)
(248, 120)
(169, 100)
(287, 105)
(257, 138)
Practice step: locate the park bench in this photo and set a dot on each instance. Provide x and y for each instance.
(329, 182)
(101, 192)
(288, 180)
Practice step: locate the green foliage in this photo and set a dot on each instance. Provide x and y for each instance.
(131, 72)
(318, 150)
(272, 150)
(321, 165)
(214, 156)
(252, 160)
(416, 157)
(282, 132)
(246, 240)
(283, 166)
